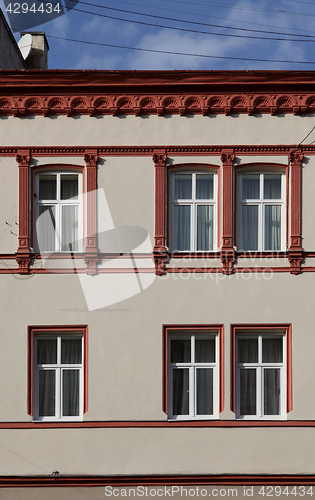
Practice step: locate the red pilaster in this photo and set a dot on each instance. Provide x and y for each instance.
(23, 259)
(295, 249)
(159, 251)
(227, 250)
(91, 250)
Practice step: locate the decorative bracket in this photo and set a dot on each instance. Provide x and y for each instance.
(23, 258)
(91, 250)
(159, 251)
(295, 254)
(227, 250)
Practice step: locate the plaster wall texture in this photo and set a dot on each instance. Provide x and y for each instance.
(155, 130)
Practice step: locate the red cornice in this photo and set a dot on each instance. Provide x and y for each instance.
(170, 150)
(156, 92)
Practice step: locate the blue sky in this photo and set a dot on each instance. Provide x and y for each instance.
(284, 20)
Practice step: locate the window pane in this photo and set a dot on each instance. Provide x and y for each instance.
(46, 403)
(70, 393)
(181, 392)
(47, 187)
(272, 187)
(248, 392)
(204, 186)
(250, 187)
(272, 391)
(71, 351)
(180, 351)
(70, 228)
(272, 227)
(46, 351)
(181, 227)
(204, 227)
(205, 350)
(69, 186)
(272, 351)
(204, 383)
(250, 227)
(45, 226)
(183, 187)
(247, 350)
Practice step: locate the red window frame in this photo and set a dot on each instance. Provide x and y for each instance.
(287, 328)
(33, 331)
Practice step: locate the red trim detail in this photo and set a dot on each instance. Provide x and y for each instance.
(171, 329)
(295, 249)
(23, 158)
(91, 250)
(35, 330)
(267, 326)
(159, 250)
(227, 250)
(158, 480)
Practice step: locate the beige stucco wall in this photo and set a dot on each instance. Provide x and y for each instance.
(148, 130)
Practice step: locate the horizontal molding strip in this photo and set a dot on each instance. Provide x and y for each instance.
(157, 424)
(171, 270)
(171, 150)
(158, 480)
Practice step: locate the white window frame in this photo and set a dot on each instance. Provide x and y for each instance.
(193, 203)
(58, 203)
(260, 367)
(192, 367)
(261, 203)
(58, 368)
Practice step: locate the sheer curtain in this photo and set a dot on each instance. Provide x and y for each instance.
(181, 391)
(182, 214)
(205, 227)
(70, 393)
(272, 352)
(46, 228)
(47, 187)
(183, 187)
(204, 383)
(204, 186)
(70, 228)
(272, 227)
(47, 393)
(250, 227)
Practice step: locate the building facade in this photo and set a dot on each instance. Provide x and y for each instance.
(157, 263)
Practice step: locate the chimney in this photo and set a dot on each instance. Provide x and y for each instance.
(34, 48)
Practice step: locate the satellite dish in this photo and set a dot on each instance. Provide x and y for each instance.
(25, 45)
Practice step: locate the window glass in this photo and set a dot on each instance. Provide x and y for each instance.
(205, 227)
(248, 350)
(69, 186)
(70, 228)
(272, 227)
(46, 351)
(204, 379)
(204, 186)
(183, 187)
(46, 228)
(272, 391)
(205, 350)
(70, 393)
(272, 350)
(250, 227)
(272, 187)
(71, 351)
(182, 227)
(180, 350)
(181, 392)
(47, 391)
(248, 391)
(47, 187)
(250, 186)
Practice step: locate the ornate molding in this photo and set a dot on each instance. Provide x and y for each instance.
(227, 250)
(160, 254)
(91, 251)
(23, 259)
(249, 103)
(295, 255)
(174, 150)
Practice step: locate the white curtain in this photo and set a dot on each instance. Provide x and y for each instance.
(250, 227)
(205, 227)
(205, 350)
(70, 228)
(70, 393)
(247, 350)
(204, 187)
(71, 351)
(183, 187)
(46, 227)
(182, 227)
(272, 227)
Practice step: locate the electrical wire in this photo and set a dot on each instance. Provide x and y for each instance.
(180, 53)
